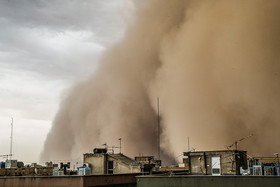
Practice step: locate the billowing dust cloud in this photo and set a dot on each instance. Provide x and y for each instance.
(215, 66)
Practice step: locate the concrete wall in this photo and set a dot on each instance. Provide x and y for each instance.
(41, 181)
(135, 169)
(97, 163)
(209, 181)
(197, 165)
(228, 164)
(123, 180)
(120, 167)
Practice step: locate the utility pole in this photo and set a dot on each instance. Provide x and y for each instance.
(11, 144)
(120, 145)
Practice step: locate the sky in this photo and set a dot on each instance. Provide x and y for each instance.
(45, 47)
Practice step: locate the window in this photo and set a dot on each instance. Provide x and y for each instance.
(110, 167)
(215, 171)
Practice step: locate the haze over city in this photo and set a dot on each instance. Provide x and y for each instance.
(76, 75)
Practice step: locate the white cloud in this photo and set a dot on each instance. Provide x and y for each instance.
(45, 46)
(23, 95)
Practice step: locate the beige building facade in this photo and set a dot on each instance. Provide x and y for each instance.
(104, 163)
(222, 162)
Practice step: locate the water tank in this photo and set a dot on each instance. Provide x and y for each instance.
(99, 150)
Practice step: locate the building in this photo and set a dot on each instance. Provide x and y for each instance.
(11, 164)
(102, 162)
(148, 163)
(84, 171)
(147, 160)
(262, 166)
(224, 162)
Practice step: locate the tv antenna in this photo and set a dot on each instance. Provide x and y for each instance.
(5, 156)
(235, 144)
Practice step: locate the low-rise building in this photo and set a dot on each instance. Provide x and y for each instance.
(223, 162)
(147, 160)
(148, 163)
(11, 164)
(102, 163)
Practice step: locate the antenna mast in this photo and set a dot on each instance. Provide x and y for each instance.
(235, 144)
(158, 120)
(11, 144)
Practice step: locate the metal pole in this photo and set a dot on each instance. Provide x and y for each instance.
(188, 144)
(120, 145)
(158, 129)
(11, 144)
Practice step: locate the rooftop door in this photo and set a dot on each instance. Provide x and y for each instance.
(216, 165)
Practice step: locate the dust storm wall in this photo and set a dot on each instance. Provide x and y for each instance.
(214, 65)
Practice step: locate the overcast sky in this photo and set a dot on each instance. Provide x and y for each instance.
(45, 47)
